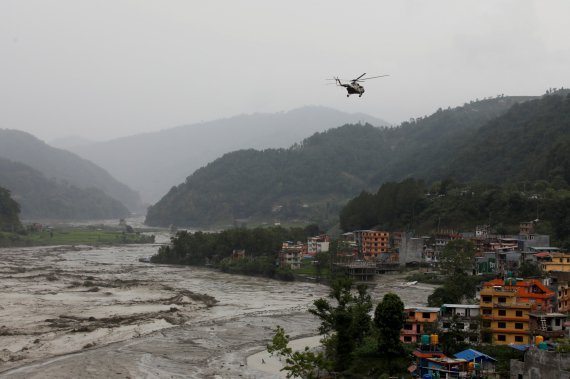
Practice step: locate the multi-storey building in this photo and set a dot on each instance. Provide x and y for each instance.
(560, 282)
(419, 320)
(556, 262)
(548, 325)
(372, 243)
(506, 306)
(318, 244)
(291, 254)
(463, 317)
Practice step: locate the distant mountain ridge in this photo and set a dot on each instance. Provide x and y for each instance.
(64, 166)
(154, 162)
(310, 181)
(42, 198)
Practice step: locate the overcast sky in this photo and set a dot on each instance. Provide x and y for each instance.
(102, 69)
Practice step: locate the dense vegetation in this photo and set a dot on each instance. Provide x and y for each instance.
(261, 247)
(310, 181)
(42, 198)
(355, 344)
(411, 205)
(96, 235)
(63, 167)
(9, 212)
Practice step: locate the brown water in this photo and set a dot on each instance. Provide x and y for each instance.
(145, 320)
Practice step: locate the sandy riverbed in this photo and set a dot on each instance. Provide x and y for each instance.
(87, 312)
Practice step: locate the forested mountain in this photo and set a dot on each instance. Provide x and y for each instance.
(43, 198)
(63, 166)
(530, 142)
(153, 162)
(9, 212)
(310, 181)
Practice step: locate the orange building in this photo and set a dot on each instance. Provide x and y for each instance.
(506, 306)
(372, 243)
(418, 322)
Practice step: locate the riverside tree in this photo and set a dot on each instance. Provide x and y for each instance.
(389, 320)
(345, 323)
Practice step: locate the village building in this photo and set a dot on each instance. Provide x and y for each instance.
(419, 321)
(372, 243)
(318, 244)
(554, 261)
(506, 306)
(540, 363)
(461, 317)
(548, 325)
(560, 283)
(291, 254)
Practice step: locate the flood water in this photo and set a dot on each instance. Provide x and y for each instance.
(145, 320)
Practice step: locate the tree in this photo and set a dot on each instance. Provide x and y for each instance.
(389, 320)
(458, 256)
(346, 324)
(299, 364)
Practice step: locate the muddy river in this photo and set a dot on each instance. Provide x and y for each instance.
(87, 312)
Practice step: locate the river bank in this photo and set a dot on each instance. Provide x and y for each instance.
(81, 311)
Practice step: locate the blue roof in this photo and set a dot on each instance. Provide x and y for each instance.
(519, 347)
(470, 355)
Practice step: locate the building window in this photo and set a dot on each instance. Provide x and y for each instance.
(426, 314)
(501, 325)
(486, 299)
(407, 338)
(518, 325)
(519, 313)
(502, 299)
(518, 338)
(408, 326)
(486, 324)
(487, 312)
(502, 312)
(412, 314)
(501, 337)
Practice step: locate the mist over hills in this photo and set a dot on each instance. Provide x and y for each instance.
(152, 163)
(43, 198)
(63, 166)
(494, 140)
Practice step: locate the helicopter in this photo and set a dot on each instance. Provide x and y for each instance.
(354, 87)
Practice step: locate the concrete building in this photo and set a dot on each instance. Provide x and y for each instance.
(291, 254)
(372, 243)
(555, 262)
(418, 321)
(318, 244)
(548, 325)
(506, 306)
(541, 364)
(410, 249)
(463, 317)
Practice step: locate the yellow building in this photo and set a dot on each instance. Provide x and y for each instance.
(505, 308)
(556, 262)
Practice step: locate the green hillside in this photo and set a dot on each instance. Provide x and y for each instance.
(63, 165)
(42, 198)
(310, 181)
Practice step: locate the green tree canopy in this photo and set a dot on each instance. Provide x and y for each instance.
(389, 320)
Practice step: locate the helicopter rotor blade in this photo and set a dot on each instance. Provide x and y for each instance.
(374, 77)
(355, 80)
